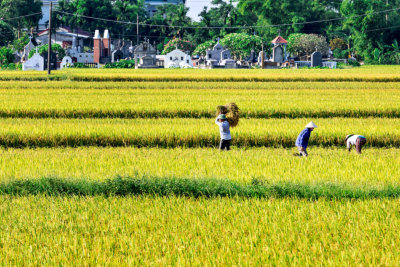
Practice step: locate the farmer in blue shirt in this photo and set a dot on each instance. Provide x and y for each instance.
(302, 139)
(224, 131)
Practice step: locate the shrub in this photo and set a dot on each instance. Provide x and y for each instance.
(6, 56)
(54, 47)
(337, 43)
(338, 53)
(78, 66)
(11, 66)
(353, 63)
(122, 64)
(202, 48)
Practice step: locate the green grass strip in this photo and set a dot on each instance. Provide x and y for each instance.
(147, 114)
(208, 188)
(242, 141)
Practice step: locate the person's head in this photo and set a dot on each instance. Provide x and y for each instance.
(311, 126)
(221, 117)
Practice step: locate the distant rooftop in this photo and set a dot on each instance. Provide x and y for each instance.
(279, 40)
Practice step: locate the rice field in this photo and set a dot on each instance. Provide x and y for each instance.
(121, 167)
(181, 231)
(241, 165)
(16, 100)
(178, 132)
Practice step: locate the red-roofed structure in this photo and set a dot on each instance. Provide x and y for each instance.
(279, 40)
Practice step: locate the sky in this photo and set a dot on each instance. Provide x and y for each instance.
(196, 6)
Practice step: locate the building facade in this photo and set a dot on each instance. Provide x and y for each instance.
(151, 5)
(43, 23)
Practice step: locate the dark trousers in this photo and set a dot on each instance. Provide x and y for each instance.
(225, 144)
(302, 151)
(359, 144)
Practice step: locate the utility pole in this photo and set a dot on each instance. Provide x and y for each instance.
(262, 57)
(137, 29)
(137, 41)
(348, 46)
(387, 16)
(49, 49)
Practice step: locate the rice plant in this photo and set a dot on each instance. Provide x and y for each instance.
(185, 231)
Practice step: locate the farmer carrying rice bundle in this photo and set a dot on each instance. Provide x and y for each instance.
(227, 116)
(355, 140)
(224, 131)
(302, 139)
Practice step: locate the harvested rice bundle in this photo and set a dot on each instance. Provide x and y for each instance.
(232, 113)
(221, 110)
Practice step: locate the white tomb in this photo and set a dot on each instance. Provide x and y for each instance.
(76, 53)
(36, 62)
(66, 62)
(177, 59)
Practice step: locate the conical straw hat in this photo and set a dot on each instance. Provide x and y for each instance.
(311, 125)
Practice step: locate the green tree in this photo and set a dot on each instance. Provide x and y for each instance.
(172, 15)
(396, 51)
(56, 48)
(93, 8)
(128, 10)
(224, 15)
(20, 43)
(202, 48)
(6, 56)
(291, 14)
(372, 34)
(241, 44)
(6, 34)
(294, 46)
(311, 42)
(338, 43)
(19, 8)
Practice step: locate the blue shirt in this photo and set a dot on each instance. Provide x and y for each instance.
(302, 139)
(224, 130)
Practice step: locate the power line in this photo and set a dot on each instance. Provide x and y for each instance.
(387, 28)
(20, 17)
(231, 27)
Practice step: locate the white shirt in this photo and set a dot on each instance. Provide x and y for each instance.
(224, 130)
(352, 140)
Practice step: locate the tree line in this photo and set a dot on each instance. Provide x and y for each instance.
(366, 29)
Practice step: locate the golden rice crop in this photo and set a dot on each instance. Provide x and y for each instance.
(176, 109)
(374, 168)
(143, 103)
(198, 85)
(190, 132)
(180, 231)
(365, 73)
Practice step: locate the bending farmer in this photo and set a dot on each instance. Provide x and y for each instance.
(224, 131)
(355, 140)
(302, 139)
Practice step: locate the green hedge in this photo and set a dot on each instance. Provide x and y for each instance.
(209, 188)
